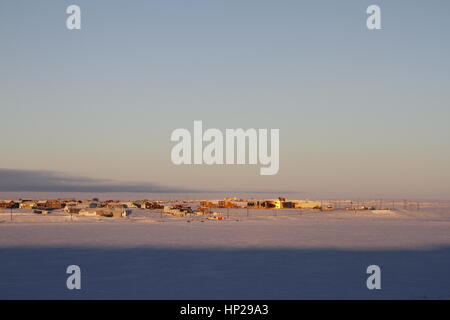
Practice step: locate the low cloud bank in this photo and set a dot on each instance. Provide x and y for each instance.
(15, 180)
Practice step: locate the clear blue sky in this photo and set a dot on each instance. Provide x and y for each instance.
(360, 113)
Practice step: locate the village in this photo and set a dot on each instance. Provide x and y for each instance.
(223, 209)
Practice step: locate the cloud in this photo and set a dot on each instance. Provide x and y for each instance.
(14, 180)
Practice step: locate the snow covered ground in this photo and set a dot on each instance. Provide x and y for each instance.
(267, 254)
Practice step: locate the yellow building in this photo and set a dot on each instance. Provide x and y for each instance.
(306, 204)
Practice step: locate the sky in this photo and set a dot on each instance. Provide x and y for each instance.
(361, 113)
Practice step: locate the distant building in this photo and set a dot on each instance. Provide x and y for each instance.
(206, 203)
(53, 204)
(130, 204)
(271, 204)
(104, 212)
(8, 204)
(239, 204)
(177, 210)
(151, 205)
(226, 204)
(28, 205)
(306, 204)
(115, 205)
(287, 204)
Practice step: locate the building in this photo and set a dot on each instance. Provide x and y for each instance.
(177, 210)
(151, 205)
(131, 204)
(8, 204)
(53, 204)
(27, 205)
(102, 212)
(271, 204)
(287, 204)
(306, 204)
(226, 204)
(115, 205)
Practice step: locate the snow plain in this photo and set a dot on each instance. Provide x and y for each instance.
(269, 254)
